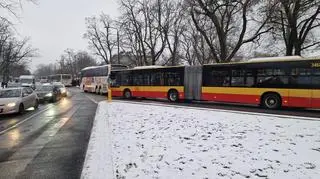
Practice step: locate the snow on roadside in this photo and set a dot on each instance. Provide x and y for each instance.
(152, 141)
(98, 162)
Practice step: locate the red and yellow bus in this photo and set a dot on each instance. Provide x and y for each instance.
(149, 82)
(269, 82)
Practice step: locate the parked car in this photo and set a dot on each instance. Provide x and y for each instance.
(48, 93)
(17, 100)
(62, 88)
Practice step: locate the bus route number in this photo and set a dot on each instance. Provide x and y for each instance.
(315, 65)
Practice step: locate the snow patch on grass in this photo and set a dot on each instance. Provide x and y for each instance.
(150, 141)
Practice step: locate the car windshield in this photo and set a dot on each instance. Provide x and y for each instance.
(11, 93)
(60, 86)
(46, 88)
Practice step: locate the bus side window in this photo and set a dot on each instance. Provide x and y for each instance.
(219, 78)
(300, 77)
(237, 78)
(172, 78)
(274, 78)
(156, 79)
(316, 78)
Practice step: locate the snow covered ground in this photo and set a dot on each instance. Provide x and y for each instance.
(155, 141)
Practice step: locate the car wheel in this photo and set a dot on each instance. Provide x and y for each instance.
(36, 105)
(21, 109)
(54, 99)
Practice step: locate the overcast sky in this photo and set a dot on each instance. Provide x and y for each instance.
(55, 25)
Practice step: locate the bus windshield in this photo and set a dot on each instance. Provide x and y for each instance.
(26, 81)
(67, 77)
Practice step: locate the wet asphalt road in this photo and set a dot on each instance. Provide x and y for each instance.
(50, 142)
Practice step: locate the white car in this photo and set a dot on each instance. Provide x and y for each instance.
(17, 100)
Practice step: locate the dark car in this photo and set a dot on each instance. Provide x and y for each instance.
(48, 93)
(62, 88)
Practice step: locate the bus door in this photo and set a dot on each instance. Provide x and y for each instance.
(300, 97)
(300, 94)
(315, 101)
(316, 88)
(192, 82)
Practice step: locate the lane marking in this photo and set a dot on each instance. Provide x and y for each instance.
(224, 110)
(91, 99)
(24, 120)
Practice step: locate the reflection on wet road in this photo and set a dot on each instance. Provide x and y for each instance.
(49, 142)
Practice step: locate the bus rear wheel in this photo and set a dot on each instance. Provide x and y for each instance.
(271, 101)
(173, 96)
(127, 94)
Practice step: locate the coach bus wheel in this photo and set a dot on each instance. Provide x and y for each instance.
(127, 94)
(271, 101)
(99, 91)
(173, 95)
(84, 89)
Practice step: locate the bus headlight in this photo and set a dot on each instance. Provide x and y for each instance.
(10, 105)
(49, 95)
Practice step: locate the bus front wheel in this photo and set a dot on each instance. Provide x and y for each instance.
(127, 94)
(271, 101)
(173, 96)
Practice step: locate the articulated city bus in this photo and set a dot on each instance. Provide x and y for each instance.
(269, 82)
(95, 79)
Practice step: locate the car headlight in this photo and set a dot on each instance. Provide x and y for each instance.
(49, 95)
(11, 105)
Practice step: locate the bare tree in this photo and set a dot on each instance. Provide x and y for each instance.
(295, 22)
(177, 26)
(72, 62)
(13, 52)
(148, 21)
(100, 36)
(230, 21)
(11, 7)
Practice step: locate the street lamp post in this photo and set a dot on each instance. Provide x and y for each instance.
(118, 43)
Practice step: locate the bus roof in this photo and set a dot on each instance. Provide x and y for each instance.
(93, 67)
(149, 67)
(27, 77)
(269, 60)
(60, 74)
